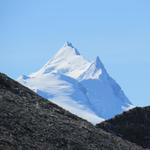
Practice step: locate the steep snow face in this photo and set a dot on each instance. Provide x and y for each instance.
(64, 91)
(94, 71)
(82, 87)
(106, 97)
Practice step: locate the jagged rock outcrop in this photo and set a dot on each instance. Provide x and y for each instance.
(133, 126)
(30, 122)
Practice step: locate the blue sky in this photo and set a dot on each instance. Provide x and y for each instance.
(31, 31)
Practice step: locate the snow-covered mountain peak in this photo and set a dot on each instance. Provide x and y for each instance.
(67, 50)
(68, 44)
(66, 61)
(95, 70)
(98, 63)
(78, 85)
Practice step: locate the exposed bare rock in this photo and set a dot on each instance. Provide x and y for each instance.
(133, 125)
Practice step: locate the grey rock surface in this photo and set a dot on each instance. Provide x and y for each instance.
(133, 125)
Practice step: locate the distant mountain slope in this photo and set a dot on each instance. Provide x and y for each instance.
(30, 122)
(78, 85)
(133, 125)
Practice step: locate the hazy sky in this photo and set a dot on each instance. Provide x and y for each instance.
(31, 31)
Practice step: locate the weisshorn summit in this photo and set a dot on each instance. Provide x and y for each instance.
(78, 85)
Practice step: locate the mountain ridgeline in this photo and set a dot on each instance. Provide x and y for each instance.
(78, 85)
(30, 122)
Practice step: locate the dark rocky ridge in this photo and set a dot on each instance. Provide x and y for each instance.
(133, 125)
(29, 122)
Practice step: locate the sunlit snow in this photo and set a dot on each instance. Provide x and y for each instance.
(78, 85)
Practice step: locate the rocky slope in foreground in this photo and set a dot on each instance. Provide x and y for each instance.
(133, 125)
(29, 122)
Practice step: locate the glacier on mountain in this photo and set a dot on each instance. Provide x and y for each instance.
(78, 85)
